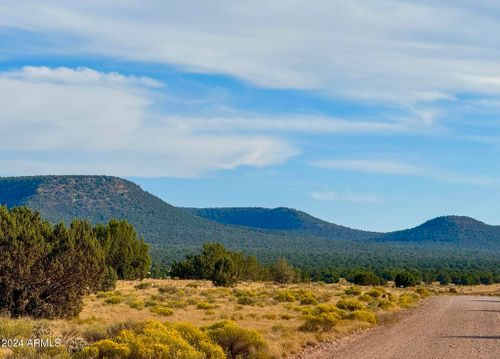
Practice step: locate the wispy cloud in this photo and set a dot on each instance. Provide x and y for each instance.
(346, 197)
(371, 166)
(83, 121)
(398, 168)
(392, 51)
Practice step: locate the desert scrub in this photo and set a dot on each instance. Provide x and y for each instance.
(284, 296)
(15, 328)
(156, 340)
(238, 342)
(162, 310)
(29, 352)
(114, 299)
(385, 304)
(41, 328)
(423, 292)
(243, 293)
(363, 316)
(143, 285)
(168, 289)
(365, 298)
(206, 306)
(132, 325)
(322, 318)
(408, 300)
(75, 345)
(350, 304)
(308, 299)
(136, 303)
(374, 293)
(245, 300)
(104, 294)
(150, 302)
(94, 332)
(353, 290)
(305, 296)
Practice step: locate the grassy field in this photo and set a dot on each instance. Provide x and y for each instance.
(288, 317)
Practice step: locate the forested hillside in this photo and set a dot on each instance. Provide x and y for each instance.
(304, 240)
(458, 230)
(284, 220)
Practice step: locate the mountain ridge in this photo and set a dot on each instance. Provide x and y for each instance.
(100, 198)
(280, 219)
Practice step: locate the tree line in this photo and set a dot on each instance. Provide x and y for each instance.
(226, 268)
(46, 269)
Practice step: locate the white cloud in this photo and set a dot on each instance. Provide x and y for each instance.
(82, 121)
(392, 167)
(291, 124)
(371, 166)
(388, 50)
(346, 197)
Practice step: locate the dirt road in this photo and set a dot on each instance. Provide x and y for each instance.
(453, 327)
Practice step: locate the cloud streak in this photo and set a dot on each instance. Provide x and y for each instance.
(80, 121)
(391, 51)
(346, 197)
(397, 168)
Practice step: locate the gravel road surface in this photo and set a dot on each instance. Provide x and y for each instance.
(453, 327)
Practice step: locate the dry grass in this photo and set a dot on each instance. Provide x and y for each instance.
(251, 305)
(276, 311)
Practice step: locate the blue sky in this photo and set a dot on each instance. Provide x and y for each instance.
(375, 115)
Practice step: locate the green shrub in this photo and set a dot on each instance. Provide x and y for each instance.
(407, 300)
(115, 299)
(423, 292)
(308, 300)
(156, 340)
(246, 300)
(162, 310)
(322, 318)
(132, 325)
(284, 296)
(374, 293)
(94, 332)
(353, 290)
(281, 272)
(350, 304)
(38, 273)
(243, 293)
(205, 305)
(150, 302)
(237, 342)
(385, 304)
(365, 298)
(169, 289)
(102, 294)
(406, 279)
(143, 285)
(136, 304)
(366, 278)
(363, 315)
(108, 349)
